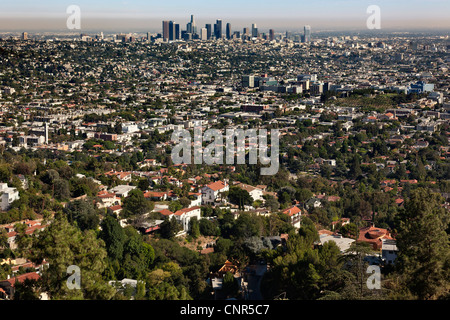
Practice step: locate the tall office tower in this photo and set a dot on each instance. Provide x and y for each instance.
(102, 36)
(271, 35)
(203, 34)
(254, 30)
(148, 36)
(171, 31)
(218, 29)
(191, 27)
(248, 81)
(188, 28)
(25, 36)
(307, 33)
(165, 30)
(228, 32)
(208, 30)
(177, 31)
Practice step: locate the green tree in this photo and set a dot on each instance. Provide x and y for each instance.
(194, 229)
(169, 228)
(136, 204)
(83, 213)
(63, 245)
(240, 197)
(423, 243)
(114, 237)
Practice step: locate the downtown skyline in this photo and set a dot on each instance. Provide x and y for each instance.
(146, 16)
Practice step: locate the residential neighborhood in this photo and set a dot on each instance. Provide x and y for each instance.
(88, 177)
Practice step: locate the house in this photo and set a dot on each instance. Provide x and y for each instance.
(389, 251)
(154, 195)
(7, 286)
(374, 236)
(313, 203)
(122, 190)
(117, 209)
(107, 199)
(185, 215)
(32, 226)
(210, 192)
(294, 213)
(197, 199)
(166, 213)
(255, 192)
(342, 242)
(342, 222)
(8, 196)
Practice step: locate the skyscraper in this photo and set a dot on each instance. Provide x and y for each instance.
(203, 34)
(177, 31)
(254, 30)
(218, 29)
(208, 30)
(271, 35)
(165, 30)
(228, 31)
(25, 36)
(171, 31)
(191, 27)
(307, 33)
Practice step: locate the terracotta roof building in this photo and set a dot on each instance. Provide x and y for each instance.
(374, 236)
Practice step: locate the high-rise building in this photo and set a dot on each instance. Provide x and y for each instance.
(307, 33)
(218, 29)
(177, 31)
(271, 35)
(254, 30)
(171, 31)
(191, 27)
(229, 31)
(204, 34)
(245, 32)
(165, 30)
(248, 81)
(25, 36)
(208, 30)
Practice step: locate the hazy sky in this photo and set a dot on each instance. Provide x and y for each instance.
(146, 15)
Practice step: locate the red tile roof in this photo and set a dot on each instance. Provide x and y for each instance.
(292, 211)
(23, 277)
(166, 212)
(215, 186)
(186, 210)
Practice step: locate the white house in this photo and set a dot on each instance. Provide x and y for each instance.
(185, 215)
(106, 199)
(211, 191)
(389, 250)
(122, 190)
(255, 192)
(295, 214)
(197, 201)
(342, 242)
(8, 195)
